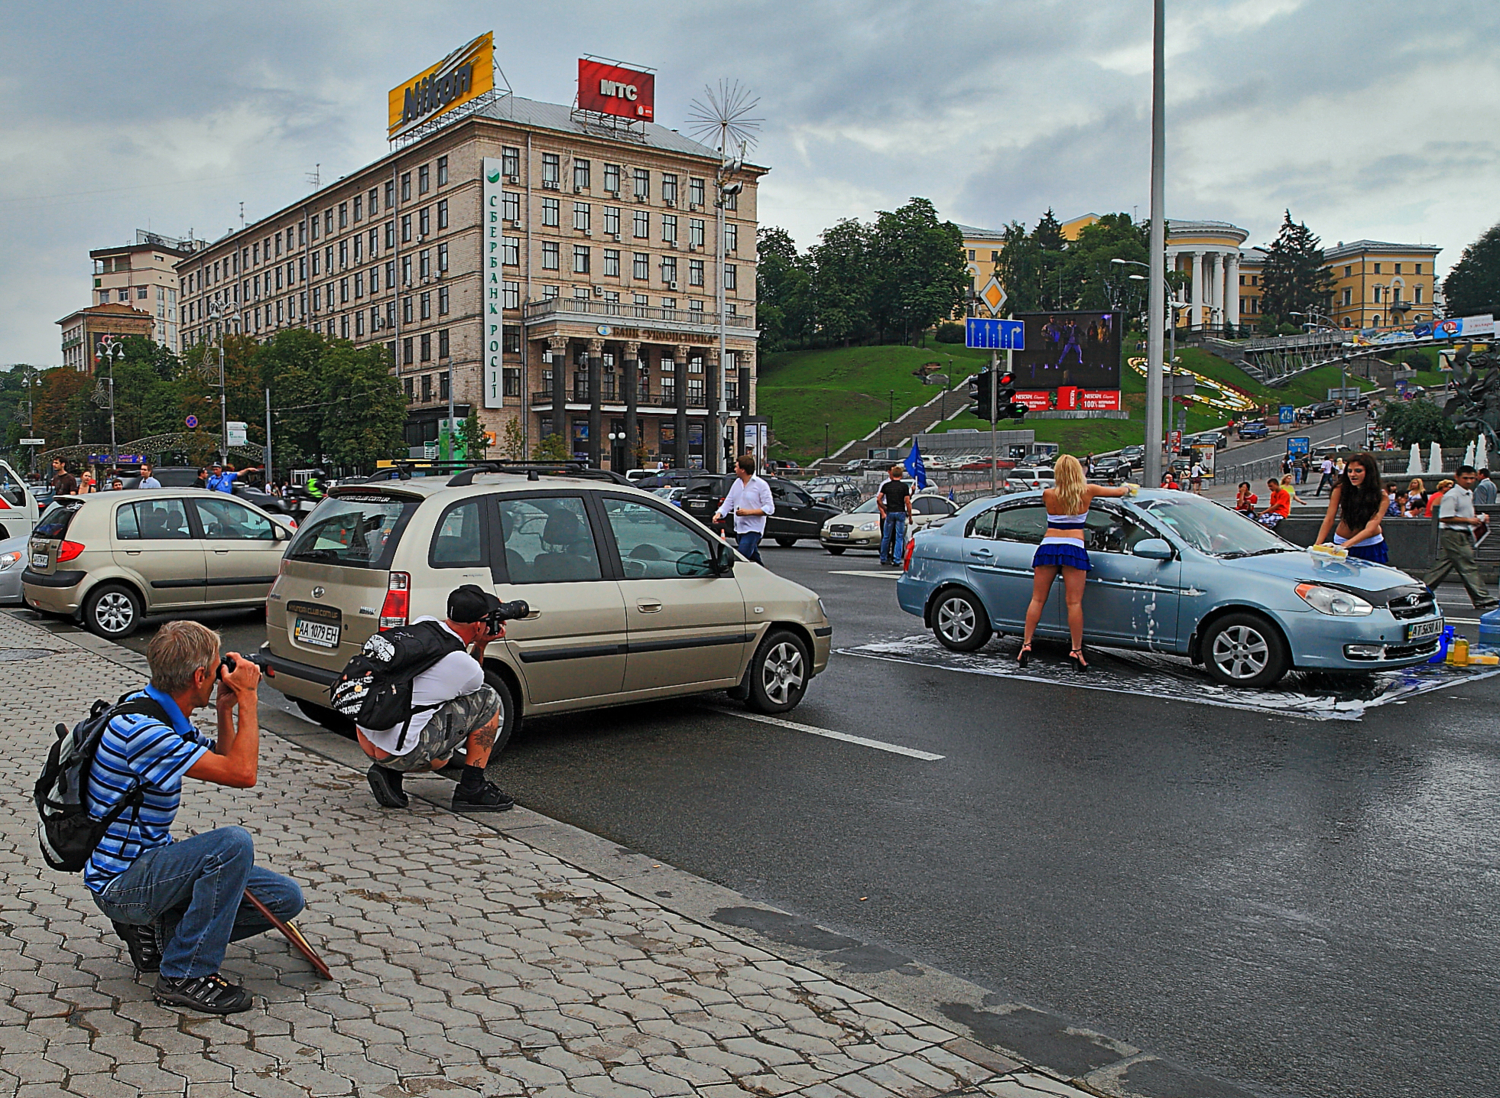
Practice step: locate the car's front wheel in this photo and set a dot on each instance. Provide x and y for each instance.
(786, 543)
(112, 611)
(1244, 649)
(835, 550)
(959, 621)
(779, 672)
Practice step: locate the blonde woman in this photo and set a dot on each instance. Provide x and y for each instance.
(1062, 551)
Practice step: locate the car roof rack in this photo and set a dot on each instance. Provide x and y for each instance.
(534, 471)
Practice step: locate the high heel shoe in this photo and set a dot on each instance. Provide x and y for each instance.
(1023, 655)
(1075, 657)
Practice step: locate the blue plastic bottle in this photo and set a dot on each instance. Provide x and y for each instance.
(1443, 642)
(1489, 630)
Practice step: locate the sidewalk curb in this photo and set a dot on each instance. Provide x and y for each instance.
(1004, 1036)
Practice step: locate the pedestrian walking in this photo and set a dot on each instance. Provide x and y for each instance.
(1484, 491)
(1458, 525)
(64, 483)
(148, 476)
(749, 501)
(1326, 472)
(893, 499)
(1300, 469)
(1062, 551)
(1195, 478)
(178, 903)
(1356, 507)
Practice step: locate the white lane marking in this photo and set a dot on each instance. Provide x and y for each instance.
(878, 745)
(893, 575)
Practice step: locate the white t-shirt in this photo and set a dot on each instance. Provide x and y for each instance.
(454, 675)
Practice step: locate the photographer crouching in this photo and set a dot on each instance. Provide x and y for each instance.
(417, 693)
(179, 903)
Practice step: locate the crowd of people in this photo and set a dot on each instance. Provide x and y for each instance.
(217, 477)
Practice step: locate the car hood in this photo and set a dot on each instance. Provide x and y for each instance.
(1300, 566)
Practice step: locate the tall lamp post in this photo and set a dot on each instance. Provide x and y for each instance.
(825, 441)
(1157, 301)
(112, 351)
(726, 186)
(222, 311)
(1175, 305)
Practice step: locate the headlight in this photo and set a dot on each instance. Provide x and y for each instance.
(870, 526)
(1330, 600)
(8, 560)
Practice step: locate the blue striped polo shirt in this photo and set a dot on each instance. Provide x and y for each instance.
(137, 749)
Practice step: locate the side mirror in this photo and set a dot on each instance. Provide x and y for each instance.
(723, 560)
(1154, 549)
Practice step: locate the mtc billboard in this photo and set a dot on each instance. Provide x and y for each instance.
(1069, 349)
(463, 75)
(613, 89)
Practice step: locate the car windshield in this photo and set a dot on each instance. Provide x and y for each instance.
(354, 531)
(866, 507)
(1213, 529)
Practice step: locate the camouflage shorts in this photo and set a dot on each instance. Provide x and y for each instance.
(448, 730)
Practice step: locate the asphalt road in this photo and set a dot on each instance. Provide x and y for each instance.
(1297, 907)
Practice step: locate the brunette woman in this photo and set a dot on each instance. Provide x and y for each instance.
(1355, 511)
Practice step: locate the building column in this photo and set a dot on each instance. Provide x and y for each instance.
(1195, 321)
(746, 360)
(679, 373)
(558, 346)
(596, 396)
(1232, 288)
(631, 371)
(1216, 291)
(713, 445)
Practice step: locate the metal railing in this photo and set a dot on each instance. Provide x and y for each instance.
(657, 400)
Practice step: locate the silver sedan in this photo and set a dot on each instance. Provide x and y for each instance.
(12, 564)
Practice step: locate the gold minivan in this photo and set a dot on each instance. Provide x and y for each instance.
(113, 558)
(631, 599)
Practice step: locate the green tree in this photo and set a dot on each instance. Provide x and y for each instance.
(552, 448)
(512, 440)
(1472, 287)
(1294, 279)
(473, 439)
(1420, 421)
(1020, 269)
(1093, 280)
(783, 281)
(290, 363)
(841, 283)
(918, 274)
(366, 417)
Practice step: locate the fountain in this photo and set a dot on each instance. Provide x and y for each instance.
(1414, 465)
(1435, 461)
(1481, 453)
(1469, 455)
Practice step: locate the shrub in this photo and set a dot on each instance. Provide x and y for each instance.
(949, 332)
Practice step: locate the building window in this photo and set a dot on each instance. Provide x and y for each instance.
(343, 291)
(550, 261)
(425, 347)
(442, 343)
(611, 263)
(141, 293)
(358, 250)
(696, 234)
(1416, 292)
(510, 251)
(406, 228)
(1398, 268)
(669, 270)
(442, 215)
(406, 309)
(424, 180)
(406, 383)
(424, 264)
(442, 170)
(426, 302)
(314, 223)
(612, 220)
(443, 384)
(343, 223)
(549, 293)
(695, 305)
(1348, 297)
(390, 275)
(581, 218)
(442, 258)
(730, 277)
(695, 192)
(551, 171)
(359, 323)
(406, 351)
(1377, 268)
(669, 188)
(359, 207)
(732, 202)
(642, 222)
(317, 299)
(343, 254)
(695, 272)
(374, 201)
(581, 259)
(426, 387)
(669, 228)
(551, 213)
(1416, 268)
(443, 301)
(359, 284)
(510, 295)
(731, 237)
(327, 228)
(511, 379)
(510, 161)
(641, 178)
(390, 195)
(510, 206)
(581, 174)
(424, 220)
(406, 186)
(641, 268)
(390, 235)
(612, 178)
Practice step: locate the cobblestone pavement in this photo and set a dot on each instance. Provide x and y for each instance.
(466, 962)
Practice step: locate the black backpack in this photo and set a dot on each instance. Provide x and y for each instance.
(374, 689)
(68, 834)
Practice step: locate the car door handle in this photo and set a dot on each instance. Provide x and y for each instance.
(980, 553)
(132, 552)
(222, 552)
(648, 606)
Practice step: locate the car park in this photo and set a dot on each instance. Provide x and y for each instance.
(1253, 428)
(630, 599)
(113, 558)
(797, 515)
(860, 527)
(1175, 573)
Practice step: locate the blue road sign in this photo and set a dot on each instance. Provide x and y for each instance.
(994, 335)
(1288, 414)
(191, 421)
(1296, 447)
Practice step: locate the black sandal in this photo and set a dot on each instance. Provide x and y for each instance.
(1023, 655)
(1075, 657)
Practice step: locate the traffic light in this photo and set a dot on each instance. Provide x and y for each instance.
(1006, 405)
(980, 389)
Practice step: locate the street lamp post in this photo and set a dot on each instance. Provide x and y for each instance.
(1158, 245)
(222, 311)
(616, 438)
(1175, 305)
(113, 351)
(725, 187)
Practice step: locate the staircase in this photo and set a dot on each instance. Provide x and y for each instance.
(898, 431)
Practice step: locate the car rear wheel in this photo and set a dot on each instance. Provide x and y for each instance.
(835, 550)
(786, 543)
(1244, 650)
(510, 712)
(112, 611)
(779, 671)
(959, 621)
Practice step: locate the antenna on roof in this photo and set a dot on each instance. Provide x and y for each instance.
(315, 176)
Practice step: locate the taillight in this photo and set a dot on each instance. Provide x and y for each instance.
(68, 550)
(397, 605)
(911, 543)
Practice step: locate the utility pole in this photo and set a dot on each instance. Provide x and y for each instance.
(1156, 307)
(994, 413)
(270, 473)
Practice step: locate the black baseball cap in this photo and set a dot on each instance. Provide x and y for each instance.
(470, 603)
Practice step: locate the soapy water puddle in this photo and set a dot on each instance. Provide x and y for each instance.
(1305, 695)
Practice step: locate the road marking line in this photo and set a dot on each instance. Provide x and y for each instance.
(876, 575)
(878, 745)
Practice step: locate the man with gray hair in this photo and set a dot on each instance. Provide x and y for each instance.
(178, 903)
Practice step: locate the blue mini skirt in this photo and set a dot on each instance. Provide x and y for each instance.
(1375, 554)
(1056, 556)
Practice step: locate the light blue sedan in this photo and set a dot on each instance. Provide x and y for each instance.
(1173, 572)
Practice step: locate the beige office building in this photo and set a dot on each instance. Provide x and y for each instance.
(599, 257)
(143, 275)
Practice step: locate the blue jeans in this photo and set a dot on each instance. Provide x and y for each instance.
(195, 889)
(893, 536)
(748, 544)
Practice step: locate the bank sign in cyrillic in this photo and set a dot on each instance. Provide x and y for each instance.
(494, 291)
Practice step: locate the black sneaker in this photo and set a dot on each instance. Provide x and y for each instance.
(144, 946)
(209, 994)
(489, 797)
(385, 784)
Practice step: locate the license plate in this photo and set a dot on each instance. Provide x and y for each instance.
(1418, 630)
(39, 559)
(320, 634)
(838, 536)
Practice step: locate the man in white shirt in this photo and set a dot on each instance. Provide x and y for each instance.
(749, 501)
(1457, 525)
(148, 477)
(465, 710)
(1325, 478)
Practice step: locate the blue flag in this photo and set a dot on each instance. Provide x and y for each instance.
(914, 466)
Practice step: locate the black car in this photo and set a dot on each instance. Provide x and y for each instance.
(1111, 469)
(1325, 409)
(1253, 428)
(1218, 439)
(797, 515)
(1135, 456)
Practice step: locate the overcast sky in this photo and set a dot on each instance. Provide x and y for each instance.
(1368, 118)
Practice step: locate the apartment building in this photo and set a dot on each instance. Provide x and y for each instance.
(82, 331)
(594, 244)
(143, 275)
(1378, 284)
